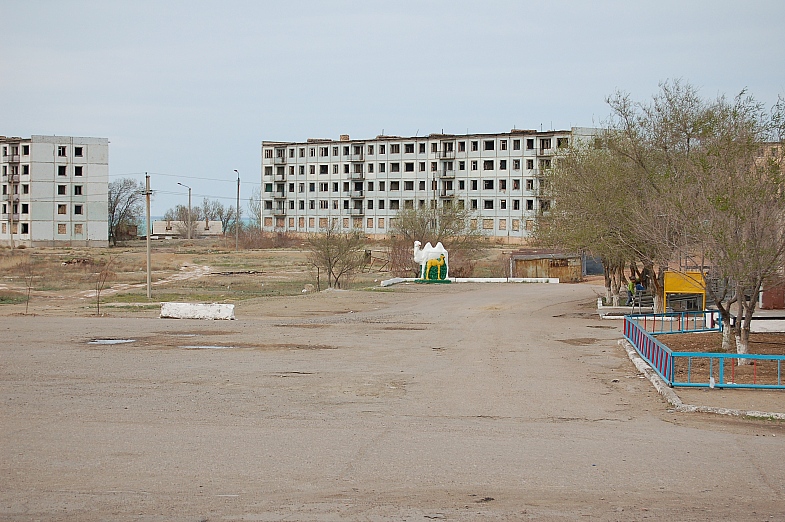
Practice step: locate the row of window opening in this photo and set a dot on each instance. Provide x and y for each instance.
(408, 148)
(359, 186)
(62, 151)
(395, 204)
(447, 166)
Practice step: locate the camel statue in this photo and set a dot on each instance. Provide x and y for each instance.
(437, 253)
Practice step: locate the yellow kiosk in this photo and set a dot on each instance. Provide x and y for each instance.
(687, 290)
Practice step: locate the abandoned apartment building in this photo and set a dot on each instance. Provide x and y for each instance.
(54, 191)
(362, 184)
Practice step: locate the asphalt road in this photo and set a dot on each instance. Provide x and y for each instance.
(448, 402)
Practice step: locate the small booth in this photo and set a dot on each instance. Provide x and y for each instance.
(685, 291)
(537, 263)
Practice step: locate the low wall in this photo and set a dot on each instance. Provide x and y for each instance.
(552, 280)
(197, 311)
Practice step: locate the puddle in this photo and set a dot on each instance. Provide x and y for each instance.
(579, 341)
(207, 347)
(111, 341)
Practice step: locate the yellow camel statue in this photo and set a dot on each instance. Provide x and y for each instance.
(438, 263)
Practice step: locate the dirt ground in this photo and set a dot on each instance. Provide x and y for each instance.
(449, 402)
(699, 369)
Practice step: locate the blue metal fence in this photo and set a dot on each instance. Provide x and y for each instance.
(680, 322)
(698, 369)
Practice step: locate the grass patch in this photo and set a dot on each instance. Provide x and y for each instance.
(11, 298)
(134, 308)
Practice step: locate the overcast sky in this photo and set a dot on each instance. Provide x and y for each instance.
(187, 90)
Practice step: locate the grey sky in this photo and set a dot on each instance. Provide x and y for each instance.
(187, 90)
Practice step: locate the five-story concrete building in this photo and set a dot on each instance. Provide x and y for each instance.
(54, 191)
(364, 183)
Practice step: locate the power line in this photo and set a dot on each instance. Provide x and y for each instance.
(180, 176)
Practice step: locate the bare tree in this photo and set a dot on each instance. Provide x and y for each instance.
(681, 178)
(738, 195)
(126, 200)
(339, 253)
(28, 270)
(450, 225)
(226, 216)
(101, 278)
(179, 215)
(590, 189)
(255, 208)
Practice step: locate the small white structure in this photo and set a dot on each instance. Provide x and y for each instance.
(197, 311)
(429, 257)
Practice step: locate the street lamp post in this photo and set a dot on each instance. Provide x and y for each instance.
(188, 225)
(237, 216)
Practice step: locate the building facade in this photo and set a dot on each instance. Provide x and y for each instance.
(54, 191)
(364, 183)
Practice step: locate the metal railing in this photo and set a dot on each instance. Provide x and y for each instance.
(680, 322)
(699, 369)
(659, 356)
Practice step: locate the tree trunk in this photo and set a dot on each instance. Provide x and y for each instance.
(746, 310)
(617, 273)
(727, 331)
(727, 338)
(606, 269)
(654, 284)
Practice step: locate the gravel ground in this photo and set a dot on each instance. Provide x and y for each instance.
(448, 402)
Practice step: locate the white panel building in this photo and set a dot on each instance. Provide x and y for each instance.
(364, 183)
(54, 191)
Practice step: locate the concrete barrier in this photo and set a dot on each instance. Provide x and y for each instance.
(197, 311)
(550, 280)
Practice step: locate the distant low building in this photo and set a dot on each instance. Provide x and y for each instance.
(201, 228)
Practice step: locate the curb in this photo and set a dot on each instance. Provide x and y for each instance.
(669, 395)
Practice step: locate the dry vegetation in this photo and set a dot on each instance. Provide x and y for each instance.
(60, 279)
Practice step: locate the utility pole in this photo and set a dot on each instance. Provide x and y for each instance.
(237, 216)
(148, 231)
(188, 233)
(11, 208)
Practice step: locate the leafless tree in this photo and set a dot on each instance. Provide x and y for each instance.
(104, 275)
(28, 270)
(450, 225)
(681, 177)
(125, 199)
(590, 188)
(179, 216)
(339, 253)
(255, 208)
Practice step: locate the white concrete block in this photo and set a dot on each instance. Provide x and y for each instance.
(197, 311)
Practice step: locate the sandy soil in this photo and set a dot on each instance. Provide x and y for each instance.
(449, 402)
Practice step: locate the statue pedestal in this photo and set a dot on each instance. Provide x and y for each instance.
(437, 281)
